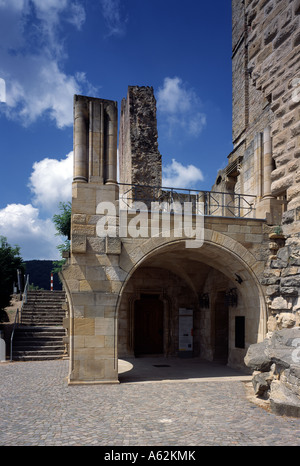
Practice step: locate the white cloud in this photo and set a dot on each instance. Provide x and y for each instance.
(51, 182)
(179, 106)
(115, 22)
(77, 17)
(2, 90)
(32, 55)
(179, 176)
(36, 237)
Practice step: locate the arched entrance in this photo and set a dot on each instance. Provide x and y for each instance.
(215, 283)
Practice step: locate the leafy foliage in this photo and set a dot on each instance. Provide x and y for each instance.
(62, 223)
(10, 262)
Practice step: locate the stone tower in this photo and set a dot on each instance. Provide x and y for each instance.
(266, 136)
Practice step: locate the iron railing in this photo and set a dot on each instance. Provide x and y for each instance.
(18, 316)
(208, 203)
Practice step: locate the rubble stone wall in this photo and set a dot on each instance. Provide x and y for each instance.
(273, 29)
(266, 95)
(140, 160)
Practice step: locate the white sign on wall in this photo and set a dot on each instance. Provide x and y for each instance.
(185, 329)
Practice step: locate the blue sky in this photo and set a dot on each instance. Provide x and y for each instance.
(53, 49)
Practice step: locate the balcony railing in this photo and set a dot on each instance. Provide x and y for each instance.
(208, 203)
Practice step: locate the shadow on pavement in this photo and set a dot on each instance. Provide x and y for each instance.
(148, 369)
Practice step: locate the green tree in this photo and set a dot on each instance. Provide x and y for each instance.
(10, 262)
(62, 223)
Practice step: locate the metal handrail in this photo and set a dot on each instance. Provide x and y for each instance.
(18, 316)
(216, 203)
(24, 297)
(16, 323)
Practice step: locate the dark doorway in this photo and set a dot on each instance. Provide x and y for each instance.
(221, 328)
(148, 325)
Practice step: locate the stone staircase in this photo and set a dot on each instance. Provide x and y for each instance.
(40, 335)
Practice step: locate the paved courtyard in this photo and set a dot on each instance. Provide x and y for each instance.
(38, 408)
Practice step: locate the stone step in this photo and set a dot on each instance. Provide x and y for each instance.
(35, 315)
(34, 302)
(21, 344)
(44, 310)
(37, 356)
(41, 322)
(35, 321)
(44, 330)
(45, 292)
(41, 334)
(38, 343)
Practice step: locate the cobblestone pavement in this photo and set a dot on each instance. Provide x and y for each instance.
(39, 408)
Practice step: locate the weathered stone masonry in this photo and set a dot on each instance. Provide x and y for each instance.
(139, 157)
(252, 262)
(266, 135)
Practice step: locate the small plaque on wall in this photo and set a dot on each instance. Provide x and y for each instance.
(185, 330)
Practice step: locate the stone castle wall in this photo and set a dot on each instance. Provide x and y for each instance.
(104, 270)
(266, 137)
(266, 83)
(274, 67)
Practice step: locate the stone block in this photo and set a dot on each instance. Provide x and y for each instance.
(115, 273)
(84, 326)
(94, 285)
(83, 230)
(257, 358)
(113, 245)
(280, 303)
(282, 184)
(283, 401)
(79, 218)
(95, 273)
(94, 341)
(78, 244)
(74, 272)
(261, 383)
(104, 326)
(96, 245)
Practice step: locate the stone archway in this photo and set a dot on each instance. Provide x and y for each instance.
(214, 268)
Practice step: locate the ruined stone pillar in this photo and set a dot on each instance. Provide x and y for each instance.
(92, 294)
(96, 144)
(140, 158)
(80, 143)
(112, 141)
(95, 140)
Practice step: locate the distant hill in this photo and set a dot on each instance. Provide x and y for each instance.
(39, 272)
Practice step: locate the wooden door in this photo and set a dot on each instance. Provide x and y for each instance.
(148, 325)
